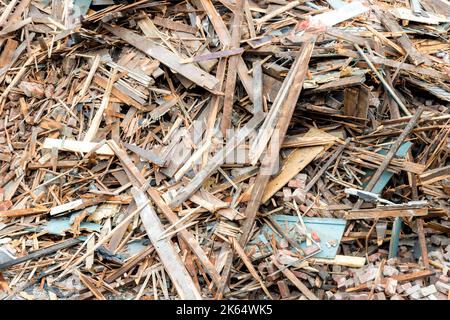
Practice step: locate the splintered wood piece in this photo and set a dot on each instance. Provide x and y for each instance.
(129, 264)
(146, 154)
(340, 260)
(8, 52)
(41, 253)
(400, 278)
(257, 87)
(324, 167)
(295, 162)
(230, 82)
(277, 12)
(291, 276)
(390, 23)
(435, 175)
(249, 265)
(7, 11)
(172, 262)
(385, 212)
(386, 84)
(118, 93)
(77, 146)
(95, 124)
(189, 71)
(225, 39)
(376, 176)
(90, 76)
(15, 213)
(185, 192)
(214, 55)
(90, 285)
(174, 25)
(269, 161)
(139, 181)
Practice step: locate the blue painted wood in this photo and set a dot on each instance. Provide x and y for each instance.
(395, 237)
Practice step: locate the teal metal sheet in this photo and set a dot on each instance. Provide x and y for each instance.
(326, 228)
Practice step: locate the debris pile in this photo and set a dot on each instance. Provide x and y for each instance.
(199, 149)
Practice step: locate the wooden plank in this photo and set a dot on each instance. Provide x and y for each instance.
(170, 259)
(277, 12)
(148, 155)
(301, 141)
(340, 260)
(225, 39)
(7, 11)
(166, 57)
(291, 276)
(174, 25)
(351, 101)
(249, 266)
(392, 151)
(339, 84)
(268, 162)
(257, 87)
(435, 175)
(16, 213)
(332, 17)
(95, 124)
(438, 227)
(185, 192)
(268, 128)
(294, 163)
(390, 23)
(385, 212)
(8, 52)
(139, 181)
(230, 82)
(77, 146)
(116, 92)
(41, 253)
(214, 55)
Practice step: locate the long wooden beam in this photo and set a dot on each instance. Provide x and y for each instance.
(139, 181)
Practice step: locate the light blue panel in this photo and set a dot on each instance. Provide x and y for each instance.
(326, 228)
(83, 5)
(336, 4)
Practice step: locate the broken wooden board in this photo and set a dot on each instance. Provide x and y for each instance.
(343, 13)
(185, 192)
(165, 249)
(190, 71)
(386, 212)
(340, 260)
(295, 163)
(77, 146)
(435, 175)
(425, 17)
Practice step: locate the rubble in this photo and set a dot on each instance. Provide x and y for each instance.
(201, 149)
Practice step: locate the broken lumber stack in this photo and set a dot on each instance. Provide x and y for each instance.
(208, 149)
